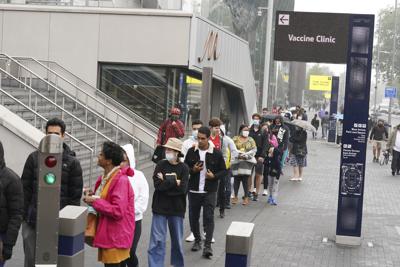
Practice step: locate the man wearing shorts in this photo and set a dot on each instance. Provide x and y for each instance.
(261, 139)
(377, 136)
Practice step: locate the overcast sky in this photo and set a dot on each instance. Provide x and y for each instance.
(343, 6)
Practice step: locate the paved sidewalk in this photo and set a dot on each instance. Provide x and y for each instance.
(291, 233)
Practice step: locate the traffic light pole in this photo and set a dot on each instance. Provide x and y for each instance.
(48, 205)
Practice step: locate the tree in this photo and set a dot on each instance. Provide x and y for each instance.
(384, 35)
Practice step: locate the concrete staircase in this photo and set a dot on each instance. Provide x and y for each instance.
(36, 100)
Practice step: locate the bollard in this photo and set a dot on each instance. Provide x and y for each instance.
(239, 242)
(71, 240)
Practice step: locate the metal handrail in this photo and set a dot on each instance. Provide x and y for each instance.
(86, 108)
(102, 94)
(58, 106)
(69, 135)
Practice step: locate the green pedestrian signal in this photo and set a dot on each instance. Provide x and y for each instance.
(50, 178)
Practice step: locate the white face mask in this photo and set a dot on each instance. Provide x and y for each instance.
(256, 122)
(170, 156)
(245, 133)
(194, 133)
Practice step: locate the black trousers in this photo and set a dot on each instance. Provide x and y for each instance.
(133, 260)
(395, 161)
(245, 181)
(265, 177)
(207, 202)
(224, 192)
(112, 265)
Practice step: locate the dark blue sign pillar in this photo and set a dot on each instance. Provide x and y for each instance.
(355, 130)
(333, 109)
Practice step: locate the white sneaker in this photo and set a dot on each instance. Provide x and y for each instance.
(300, 179)
(265, 192)
(293, 179)
(212, 240)
(190, 238)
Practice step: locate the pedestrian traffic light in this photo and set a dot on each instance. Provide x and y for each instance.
(50, 178)
(49, 181)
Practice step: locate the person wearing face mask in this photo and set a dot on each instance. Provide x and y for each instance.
(242, 166)
(169, 206)
(281, 132)
(192, 140)
(261, 139)
(172, 127)
(377, 136)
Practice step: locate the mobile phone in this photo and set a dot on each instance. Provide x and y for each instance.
(200, 163)
(170, 176)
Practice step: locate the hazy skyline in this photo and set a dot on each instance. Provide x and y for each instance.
(343, 6)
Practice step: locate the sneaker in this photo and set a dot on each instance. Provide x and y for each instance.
(255, 197)
(299, 179)
(393, 173)
(293, 179)
(212, 240)
(269, 200)
(265, 192)
(190, 238)
(228, 206)
(273, 202)
(196, 246)
(207, 252)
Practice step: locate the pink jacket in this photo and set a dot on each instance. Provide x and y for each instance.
(116, 223)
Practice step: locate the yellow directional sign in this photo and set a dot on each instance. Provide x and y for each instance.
(320, 82)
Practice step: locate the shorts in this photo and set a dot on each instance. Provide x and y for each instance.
(298, 161)
(259, 168)
(377, 144)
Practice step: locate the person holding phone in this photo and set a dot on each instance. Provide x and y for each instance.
(207, 167)
(169, 206)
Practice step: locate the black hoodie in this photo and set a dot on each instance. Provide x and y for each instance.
(11, 205)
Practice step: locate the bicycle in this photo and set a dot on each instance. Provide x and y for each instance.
(385, 159)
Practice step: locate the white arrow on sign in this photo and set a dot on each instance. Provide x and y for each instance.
(283, 19)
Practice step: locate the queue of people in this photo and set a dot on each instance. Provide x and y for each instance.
(194, 175)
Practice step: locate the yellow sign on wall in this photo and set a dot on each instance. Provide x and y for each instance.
(320, 82)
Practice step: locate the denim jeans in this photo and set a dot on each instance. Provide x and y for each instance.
(2, 264)
(158, 235)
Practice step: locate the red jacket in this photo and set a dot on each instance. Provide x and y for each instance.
(116, 223)
(177, 131)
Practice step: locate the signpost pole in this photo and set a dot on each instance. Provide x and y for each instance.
(355, 130)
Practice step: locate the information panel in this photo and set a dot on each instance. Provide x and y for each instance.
(311, 37)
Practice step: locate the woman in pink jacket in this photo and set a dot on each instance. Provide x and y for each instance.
(112, 201)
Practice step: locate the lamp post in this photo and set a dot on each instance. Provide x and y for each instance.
(267, 61)
(393, 61)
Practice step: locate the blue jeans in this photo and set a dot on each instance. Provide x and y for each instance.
(158, 235)
(2, 264)
(284, 156)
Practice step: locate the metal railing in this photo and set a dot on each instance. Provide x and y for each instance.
(87, 126)
(79, 83)
(86, 108)
(43, 119)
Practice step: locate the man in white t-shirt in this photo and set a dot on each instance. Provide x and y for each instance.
(207, 167)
